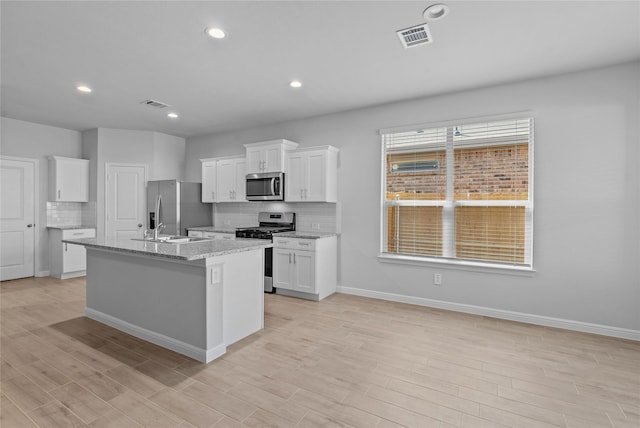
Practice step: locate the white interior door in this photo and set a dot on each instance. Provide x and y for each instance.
(17, 219)
(126, 201)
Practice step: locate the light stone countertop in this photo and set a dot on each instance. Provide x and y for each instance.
(184, 251)
(304, 235)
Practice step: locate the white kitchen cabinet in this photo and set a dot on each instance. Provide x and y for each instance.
(68, 260)
(224, 179)
(231, 180)
(214, 235)
(68, 179)
(209, 168)
(268, 156)
(220, 235)
(312, 175)
(305, 268)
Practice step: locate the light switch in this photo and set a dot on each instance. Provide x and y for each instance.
(215, 274)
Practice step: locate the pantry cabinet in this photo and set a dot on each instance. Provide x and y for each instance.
(68, 260)
(68, 179)
(305, 268)
(312, 175)
(268, 156)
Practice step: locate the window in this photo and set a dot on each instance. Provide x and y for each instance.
(460, 193)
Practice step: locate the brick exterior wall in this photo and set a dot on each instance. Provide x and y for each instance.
(495, 172)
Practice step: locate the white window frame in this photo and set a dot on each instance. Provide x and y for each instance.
(448, 245)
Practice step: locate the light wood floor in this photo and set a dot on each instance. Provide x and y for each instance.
(346, 361)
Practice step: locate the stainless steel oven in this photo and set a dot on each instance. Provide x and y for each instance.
(270, 224)
(265, 186)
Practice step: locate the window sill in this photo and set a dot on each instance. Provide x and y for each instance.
(463, 265)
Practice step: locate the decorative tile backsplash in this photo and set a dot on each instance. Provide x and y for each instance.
(71, 214)
(318, 217)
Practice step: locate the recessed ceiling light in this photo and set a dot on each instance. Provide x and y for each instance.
(172, 115)
(295, 84)
(436, 11)
(216, 33)
(83, 88)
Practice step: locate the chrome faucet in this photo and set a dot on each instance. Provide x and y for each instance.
(157, 230)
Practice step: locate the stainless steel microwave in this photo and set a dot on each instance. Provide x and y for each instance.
(265, 186)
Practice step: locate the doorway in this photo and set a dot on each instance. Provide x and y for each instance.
(18, 209)
(125, 200)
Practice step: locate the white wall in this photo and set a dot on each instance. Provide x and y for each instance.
(586, 219)
(163, 154)
(168, 157)
(32, 140)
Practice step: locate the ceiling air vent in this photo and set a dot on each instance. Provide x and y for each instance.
(154, 103)
(414, 36)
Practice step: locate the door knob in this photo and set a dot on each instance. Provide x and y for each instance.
(139, 224)
(30, 225)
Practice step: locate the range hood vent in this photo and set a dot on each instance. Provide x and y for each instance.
(154, 103)
(414, 36)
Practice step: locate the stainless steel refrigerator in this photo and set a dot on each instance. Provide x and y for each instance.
(177, 205)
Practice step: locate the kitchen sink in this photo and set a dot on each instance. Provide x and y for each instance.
(174, 239)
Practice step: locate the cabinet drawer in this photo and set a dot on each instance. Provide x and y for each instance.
(78, 233)
(220, 235)
(295, 243)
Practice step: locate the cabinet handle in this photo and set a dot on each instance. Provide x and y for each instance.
(58, 194)
(30, 225)
(306, 193)
(301, 194)
(213, 196)
(305, 244)
(294, 258)
(65, 246)
(289, 258)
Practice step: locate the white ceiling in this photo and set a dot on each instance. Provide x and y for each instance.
(346, 53)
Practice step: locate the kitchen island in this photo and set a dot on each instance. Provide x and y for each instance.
(195, 298)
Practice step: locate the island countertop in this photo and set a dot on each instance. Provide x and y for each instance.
(184, 251)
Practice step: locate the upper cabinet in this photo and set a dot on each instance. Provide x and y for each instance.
(68, 179)
(312, 175)
(223, 179)
(231, 180)
(209, 169)
(268, 156)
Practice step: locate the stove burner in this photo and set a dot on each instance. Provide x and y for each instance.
(268, 227)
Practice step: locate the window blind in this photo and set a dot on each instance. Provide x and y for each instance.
(475, 205)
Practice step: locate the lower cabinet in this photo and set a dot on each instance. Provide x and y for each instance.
(305, 268)
(215, 235)
(68, 260)
(220, 235)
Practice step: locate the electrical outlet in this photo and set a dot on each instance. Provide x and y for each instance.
(437, 279)
(315, 226)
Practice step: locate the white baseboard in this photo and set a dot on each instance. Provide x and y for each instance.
(199, 354)
(43, 273)
(604, 330)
